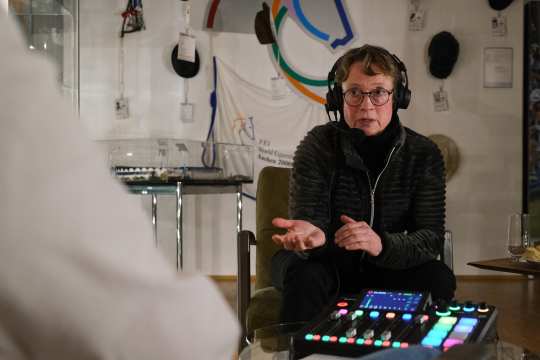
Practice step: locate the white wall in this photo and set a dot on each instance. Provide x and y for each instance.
(485, 123)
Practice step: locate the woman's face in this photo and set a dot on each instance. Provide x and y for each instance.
(369, 118)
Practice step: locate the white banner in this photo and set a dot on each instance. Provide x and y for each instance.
(250, 115)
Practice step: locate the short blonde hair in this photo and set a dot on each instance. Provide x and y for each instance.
(369, 56)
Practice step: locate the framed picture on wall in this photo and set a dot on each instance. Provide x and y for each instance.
(498, 67)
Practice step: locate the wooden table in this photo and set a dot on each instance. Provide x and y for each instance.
(507, 265)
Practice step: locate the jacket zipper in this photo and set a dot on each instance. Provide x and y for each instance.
(372, 190)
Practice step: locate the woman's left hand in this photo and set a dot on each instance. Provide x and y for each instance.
(358, 235)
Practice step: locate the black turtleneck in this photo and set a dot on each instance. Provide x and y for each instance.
(375, 149)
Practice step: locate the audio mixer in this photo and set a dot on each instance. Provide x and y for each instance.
(380, 319)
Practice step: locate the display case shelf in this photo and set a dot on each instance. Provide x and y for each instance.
(167, 161)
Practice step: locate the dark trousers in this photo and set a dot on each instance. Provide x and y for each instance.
(310, 285)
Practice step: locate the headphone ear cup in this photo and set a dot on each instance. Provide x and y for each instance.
(406, 98)
(330, 101)
(334, 99)
(403, 96)
(338, 96)
(334, 96)
(403, 93)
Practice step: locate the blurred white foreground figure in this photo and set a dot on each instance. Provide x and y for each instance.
(79, 276)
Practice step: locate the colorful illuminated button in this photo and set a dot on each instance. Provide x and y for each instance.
(342, 304)
(360, 341)
(458, 335)
(437, 333)
(468, 321)
(350, 340)
(377, 343)
(368, 342)
(469, 308)
(308, 337)
(442, 327)
(463, 328)
(406, 317)
(390, 315)
(443, 313)
(333, 338)
(386, 343)
(452, 342)
(374, 314)
(468, 305)
(326, 338)
(404, 345)
(316, 337)
(342, 339)
(442, 309)
(448, 320)
(343, 311)
(432, 341)
(359, 313)
(396, 344)
(483, 308)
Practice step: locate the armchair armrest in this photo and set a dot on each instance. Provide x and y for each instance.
(447, 255)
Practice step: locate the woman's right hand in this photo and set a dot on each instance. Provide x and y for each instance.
(301, 235)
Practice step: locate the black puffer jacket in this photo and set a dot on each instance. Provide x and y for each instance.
(329, 179)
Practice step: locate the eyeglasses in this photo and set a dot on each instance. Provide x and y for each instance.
(379, 96)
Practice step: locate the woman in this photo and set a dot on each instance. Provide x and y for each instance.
(367, 196)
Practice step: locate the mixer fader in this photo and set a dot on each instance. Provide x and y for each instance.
(380, 319)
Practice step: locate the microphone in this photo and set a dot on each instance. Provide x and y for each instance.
(344, 128)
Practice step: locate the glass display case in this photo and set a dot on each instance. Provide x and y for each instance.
(162, 161)
(178, 167)
(51, 28)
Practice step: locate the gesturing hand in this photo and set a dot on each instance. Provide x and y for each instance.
(358, 235)
(301, 235)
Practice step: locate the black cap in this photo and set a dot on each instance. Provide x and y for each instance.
(443, 52)
(263, 28)
(499, 4)
(185, 69)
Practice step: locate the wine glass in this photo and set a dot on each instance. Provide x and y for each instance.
(518, 235)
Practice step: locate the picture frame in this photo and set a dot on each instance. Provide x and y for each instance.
(498, 65)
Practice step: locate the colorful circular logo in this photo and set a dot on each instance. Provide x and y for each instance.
(312, 88)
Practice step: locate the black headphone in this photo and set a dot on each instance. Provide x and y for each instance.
(334, 96)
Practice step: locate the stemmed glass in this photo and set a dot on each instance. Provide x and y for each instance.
(518, 235)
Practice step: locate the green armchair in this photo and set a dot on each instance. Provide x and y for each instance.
(262, 308)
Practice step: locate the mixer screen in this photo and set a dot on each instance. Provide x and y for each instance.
(392, 300)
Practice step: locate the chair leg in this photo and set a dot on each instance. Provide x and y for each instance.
(243, 290)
